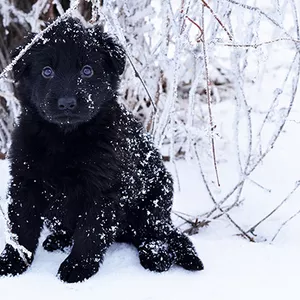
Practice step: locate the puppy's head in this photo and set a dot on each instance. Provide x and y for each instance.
(70, 74)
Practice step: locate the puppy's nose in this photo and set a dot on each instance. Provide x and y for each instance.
(65, 103)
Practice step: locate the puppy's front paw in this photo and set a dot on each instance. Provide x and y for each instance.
(11, 262)
(74, 270)
(186, 255)
(57, 241)
(156, 256)
(190, 261)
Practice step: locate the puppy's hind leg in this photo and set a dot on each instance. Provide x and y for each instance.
(160, 245)
(159, 253)
(153, 225)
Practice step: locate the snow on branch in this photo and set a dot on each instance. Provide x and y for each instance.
(205, 77)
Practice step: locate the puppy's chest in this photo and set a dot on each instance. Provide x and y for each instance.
(57, 168)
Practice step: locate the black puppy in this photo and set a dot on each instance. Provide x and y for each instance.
(83, 164)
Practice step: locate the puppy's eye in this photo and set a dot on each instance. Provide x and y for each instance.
(47, 72)
(87, 71)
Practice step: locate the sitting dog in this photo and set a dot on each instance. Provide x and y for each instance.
(81, 163)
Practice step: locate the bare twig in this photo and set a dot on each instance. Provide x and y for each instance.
(122, 38)
(275, 209)
(284, 223)
(183, 218)
(198, 26)
(261, 12)
(258, 44)
(212, 126)
(137, 74)
(218, 20)
(243, 232)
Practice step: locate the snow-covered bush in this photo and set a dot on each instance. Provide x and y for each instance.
(165, 53)
(214, 81)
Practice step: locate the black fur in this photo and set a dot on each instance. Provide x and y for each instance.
(91, 173)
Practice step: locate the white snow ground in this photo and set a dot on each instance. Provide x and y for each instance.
(234, 267)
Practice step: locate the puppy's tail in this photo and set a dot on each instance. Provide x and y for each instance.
(185, 253)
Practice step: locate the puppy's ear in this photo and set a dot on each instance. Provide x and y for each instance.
(113, 50)
(117, 55)
(21, 67)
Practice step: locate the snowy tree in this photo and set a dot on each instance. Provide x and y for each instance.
(197, 77)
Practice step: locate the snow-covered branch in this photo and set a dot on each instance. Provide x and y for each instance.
(200, 82)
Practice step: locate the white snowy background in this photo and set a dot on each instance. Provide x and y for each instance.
(235, 268)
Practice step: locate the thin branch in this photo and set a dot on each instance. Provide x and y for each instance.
(209, 101)
(121, 36)
(273, 139)
(284, 223)
(198, 26)
(275, 209)
(258, 44)
(218, 20)
(13, 239)
(243, 232)
(137, 74)
(183, 218)
(261, 12)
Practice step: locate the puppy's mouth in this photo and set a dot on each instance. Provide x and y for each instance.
(67, 117)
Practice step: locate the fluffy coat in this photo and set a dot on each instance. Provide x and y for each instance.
(81, 163)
